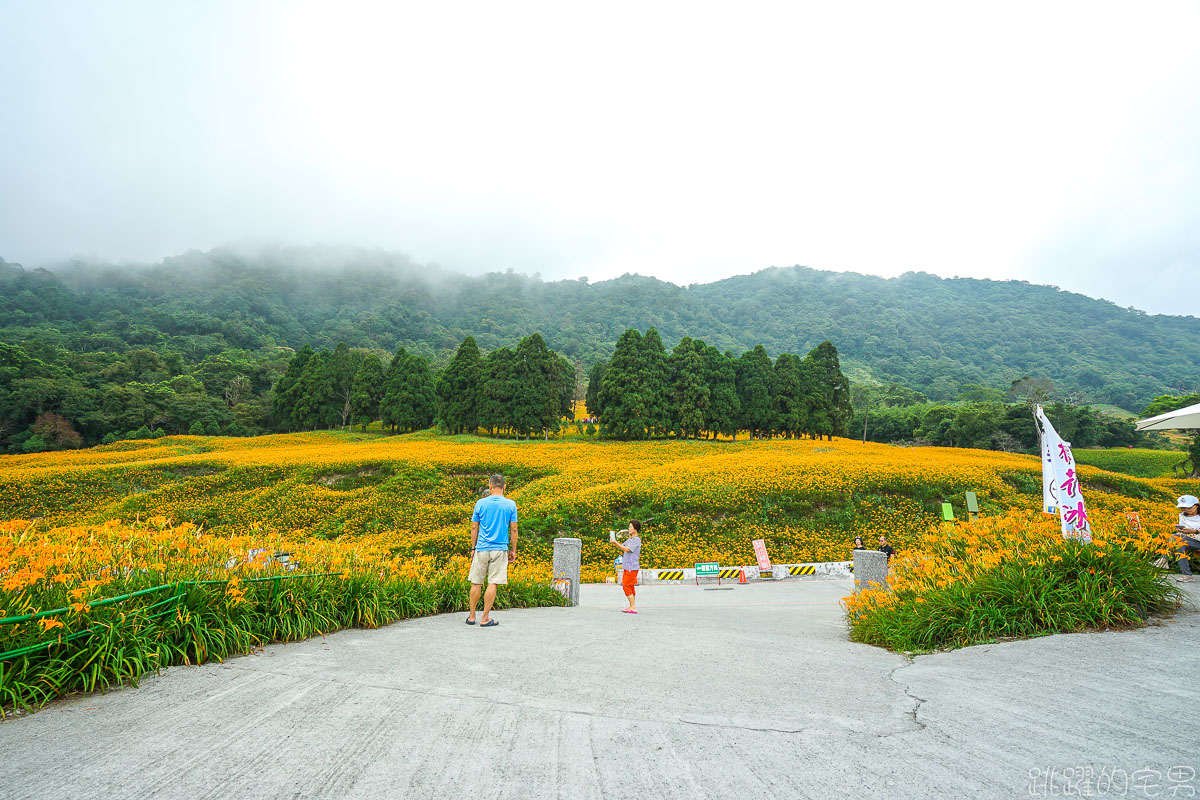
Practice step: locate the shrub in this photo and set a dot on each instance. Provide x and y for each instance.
(216, 596)
(1013, 576)
(56, 432)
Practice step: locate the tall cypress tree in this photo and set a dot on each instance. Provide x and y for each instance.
(537, 404)
(389, 403)
(623, 408)
(689, 388)
(567, 386)
(834, 409)
(592, 398)
(656, 384)
(409, 400)
(499, 390)
(724, 408)
(818, 416)
(754, 392)
(460, 388)
(342, 367)
(367, 392)
(790, 394)
(283, 406)
(315, 398)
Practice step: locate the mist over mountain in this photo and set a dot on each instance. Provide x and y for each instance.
(932, 334)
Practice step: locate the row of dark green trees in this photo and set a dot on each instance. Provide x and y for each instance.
(698, 391)
(641, 392)
(524, 390)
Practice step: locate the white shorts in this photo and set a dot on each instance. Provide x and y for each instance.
(490, 563)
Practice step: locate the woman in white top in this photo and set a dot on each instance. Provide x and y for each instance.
(1188, 531)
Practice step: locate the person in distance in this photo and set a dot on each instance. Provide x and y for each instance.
(884, 547)
(1188, 531)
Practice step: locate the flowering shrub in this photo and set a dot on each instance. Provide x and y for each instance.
(221, 595)
(1013, 576)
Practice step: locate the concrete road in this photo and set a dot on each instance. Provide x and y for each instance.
(752, 691)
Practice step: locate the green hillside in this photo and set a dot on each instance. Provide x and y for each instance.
(935, 335)
(1138, 462)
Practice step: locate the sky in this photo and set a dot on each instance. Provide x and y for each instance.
(1054, 142)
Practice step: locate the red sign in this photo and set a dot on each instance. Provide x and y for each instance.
(760, 552)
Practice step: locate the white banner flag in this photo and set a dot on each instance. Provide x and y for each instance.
(1050, 442)
(1060, 484)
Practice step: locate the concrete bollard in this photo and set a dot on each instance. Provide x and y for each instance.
(568, 555)
(870, 566)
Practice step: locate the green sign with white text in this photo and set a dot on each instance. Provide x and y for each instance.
(710, 570)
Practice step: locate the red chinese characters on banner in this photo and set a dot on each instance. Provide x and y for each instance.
(1061, 482)
(760, 552)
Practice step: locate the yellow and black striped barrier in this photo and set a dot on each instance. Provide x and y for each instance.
(731, 573)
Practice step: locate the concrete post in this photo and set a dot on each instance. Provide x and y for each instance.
(870, 566)
(568, 556)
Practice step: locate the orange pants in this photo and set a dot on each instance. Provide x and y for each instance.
(629, 581)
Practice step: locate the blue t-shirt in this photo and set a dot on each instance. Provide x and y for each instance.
(493, 513)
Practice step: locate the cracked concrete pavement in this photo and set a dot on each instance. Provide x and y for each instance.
(750, 689)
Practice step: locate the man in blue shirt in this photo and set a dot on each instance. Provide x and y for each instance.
(493, 547)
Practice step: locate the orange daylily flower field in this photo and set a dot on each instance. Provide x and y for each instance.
(382, 524)
(331, 497)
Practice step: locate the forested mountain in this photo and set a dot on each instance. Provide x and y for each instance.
(934, 335)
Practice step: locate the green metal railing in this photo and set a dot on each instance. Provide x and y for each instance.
(173, 601)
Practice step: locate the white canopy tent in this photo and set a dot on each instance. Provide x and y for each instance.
(1181, 419)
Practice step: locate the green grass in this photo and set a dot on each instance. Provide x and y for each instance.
(1138, 463)
(1115, 412)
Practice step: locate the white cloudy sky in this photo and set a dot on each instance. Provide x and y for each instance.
(1057, 142)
